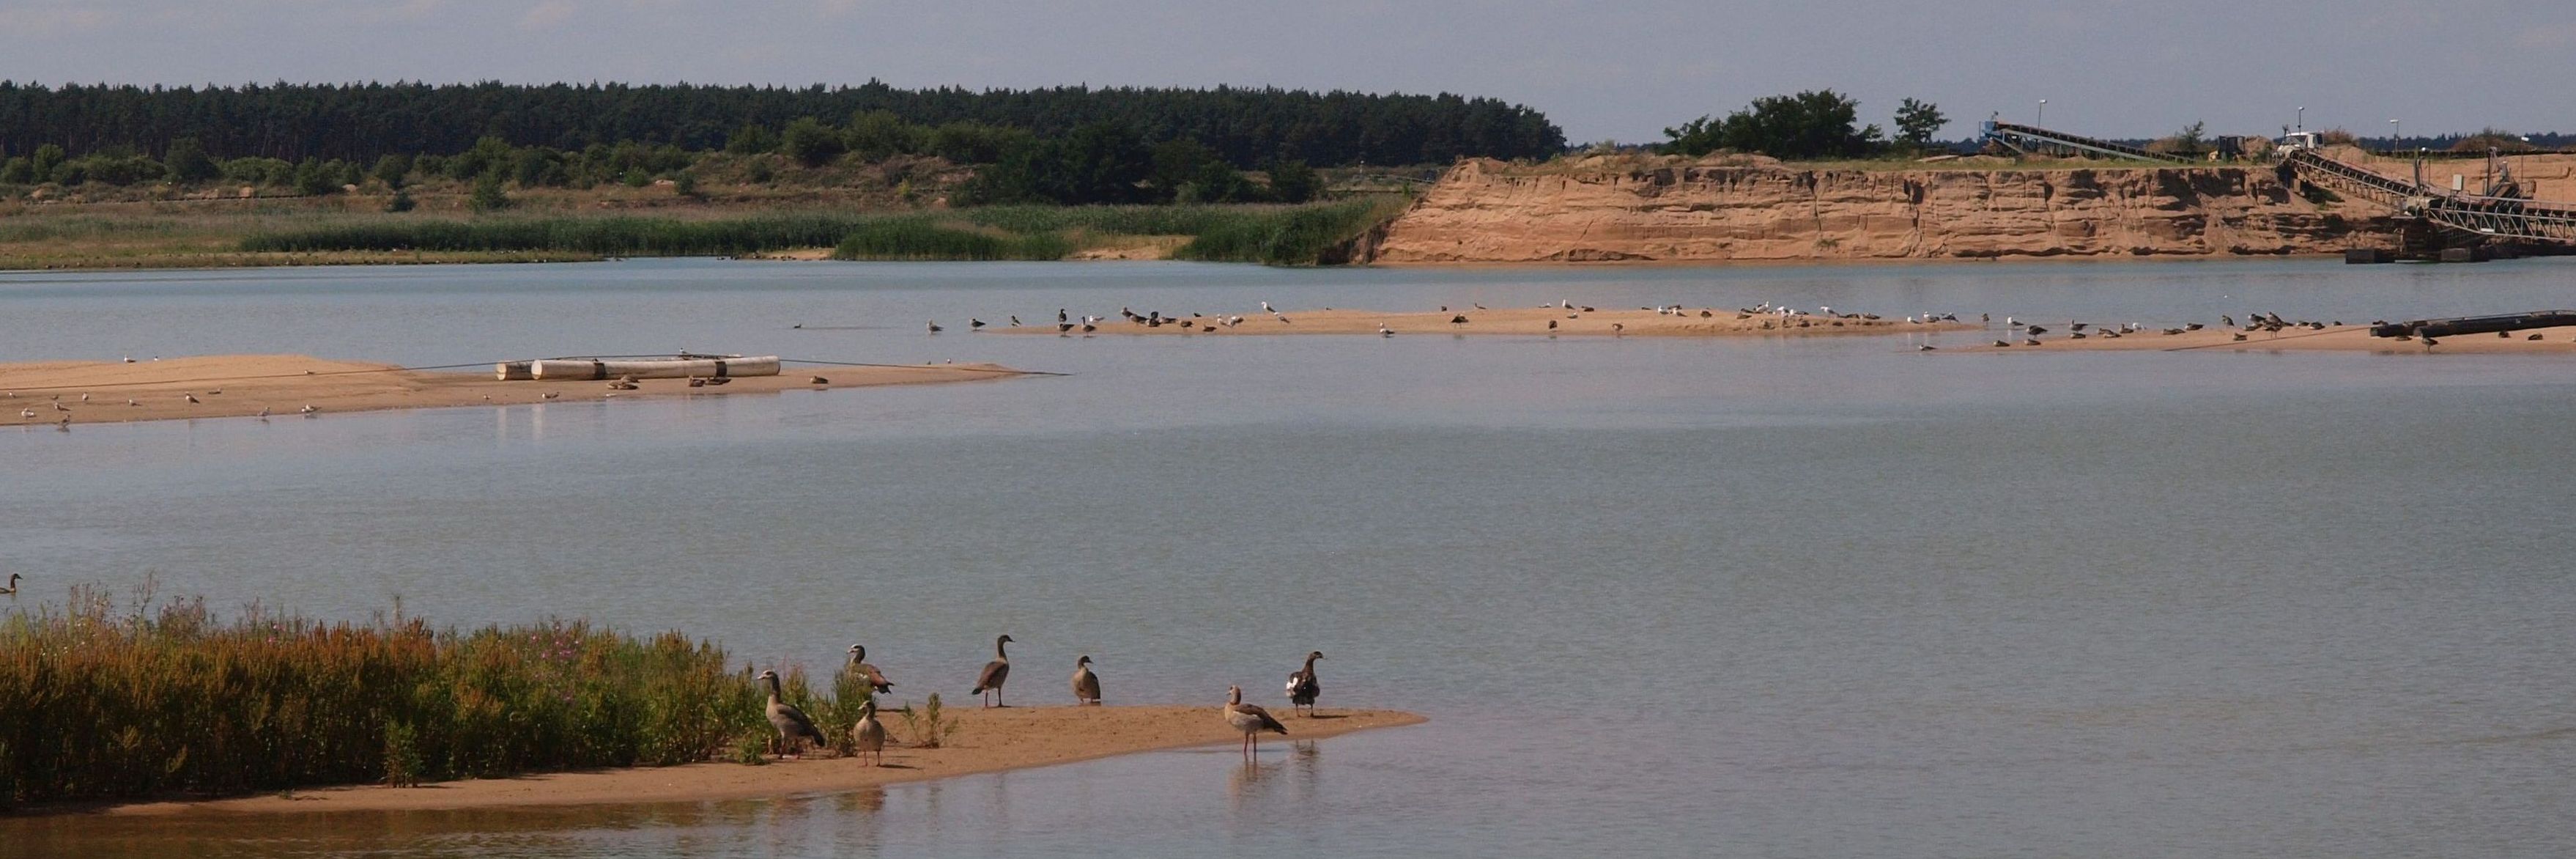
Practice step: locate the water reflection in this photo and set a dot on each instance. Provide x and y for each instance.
(2299, 605)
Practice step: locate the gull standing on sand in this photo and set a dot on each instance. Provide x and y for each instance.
(1086, 685)
(877, 681)
(1250, 719)
(1303, 688)
(867, 735)
(995, 672)
(1266, 308)
(790, 722)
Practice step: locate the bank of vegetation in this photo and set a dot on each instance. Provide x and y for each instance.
(151, 701)
(1304, 234)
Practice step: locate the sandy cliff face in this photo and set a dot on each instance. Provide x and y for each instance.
(1674, 209)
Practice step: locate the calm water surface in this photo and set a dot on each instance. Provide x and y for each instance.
(1744, 597)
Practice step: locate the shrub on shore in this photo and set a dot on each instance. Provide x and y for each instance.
(107, 706)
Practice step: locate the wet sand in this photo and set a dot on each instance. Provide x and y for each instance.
(1523, 321)
(243, 385)
(2345, 338)
(985, 741)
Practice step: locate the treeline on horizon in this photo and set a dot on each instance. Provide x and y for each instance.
(360, 123)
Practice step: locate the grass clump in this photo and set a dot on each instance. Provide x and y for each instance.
(154, 701)
(928, 725)
(1287, 235)
(917, 238)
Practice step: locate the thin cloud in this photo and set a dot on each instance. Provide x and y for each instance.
(544, 16)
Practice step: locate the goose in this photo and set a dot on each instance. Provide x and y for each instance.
(995, 672)
(1086, 685)
(12, 589)
(867, 735)
(1460, 319)
(1551, 325)
(1249, 718)
(877, 681)
(791, 723)
(1303, 687)
(934, 328)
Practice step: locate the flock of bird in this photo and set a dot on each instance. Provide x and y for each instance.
(868, 734)
(1067, 324)
(64, 421)
(2254, 322)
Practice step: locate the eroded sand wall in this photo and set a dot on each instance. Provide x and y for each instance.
(1675, 209)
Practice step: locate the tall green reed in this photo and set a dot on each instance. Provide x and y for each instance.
(95, 704)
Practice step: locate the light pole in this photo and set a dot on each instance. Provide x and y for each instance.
(2043, 114)
(2393, 128)
(2303, 117)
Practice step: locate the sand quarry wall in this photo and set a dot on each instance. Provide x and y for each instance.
(1677, 209)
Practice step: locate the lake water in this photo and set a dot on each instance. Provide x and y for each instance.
(1748, 597)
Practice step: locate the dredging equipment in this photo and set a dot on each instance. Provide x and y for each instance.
(2475, 324)
(597, 368)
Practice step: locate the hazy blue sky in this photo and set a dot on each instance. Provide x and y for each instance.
(1600, 69)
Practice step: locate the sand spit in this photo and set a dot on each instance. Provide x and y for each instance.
(985, 741)
(2345, 338)
(1526, 321)
(282, 385)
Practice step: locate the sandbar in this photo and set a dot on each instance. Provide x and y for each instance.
(1522, 321)
(2334, 338)
(244, 385)
(985, 741)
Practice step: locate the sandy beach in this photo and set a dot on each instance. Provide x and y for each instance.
(2345, 338)
(985, 741)
(88, 392)
(1524, 321)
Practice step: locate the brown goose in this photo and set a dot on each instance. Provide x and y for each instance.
(995, 672)
(1303, 687)
(1249, 718)
(790, 722)
(868, 735)
(1086, 685)
(877, 681)
(12, 590)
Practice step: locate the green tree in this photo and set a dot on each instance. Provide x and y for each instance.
(879, 134)
(393, 170)
(187, 162)
(972, 142)
(752, 139)
(1812, 124)
(1097, 163)
(47, 158)
(312, 181)
(812, 143)
(1294, 182)
(488, 196)
(402, 201)
(18, 171)
(489, 154)
(1917, 121)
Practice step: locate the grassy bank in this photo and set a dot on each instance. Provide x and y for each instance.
(1276, 235)
(150, 701)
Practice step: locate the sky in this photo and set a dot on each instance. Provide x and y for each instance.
(1600, 70)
